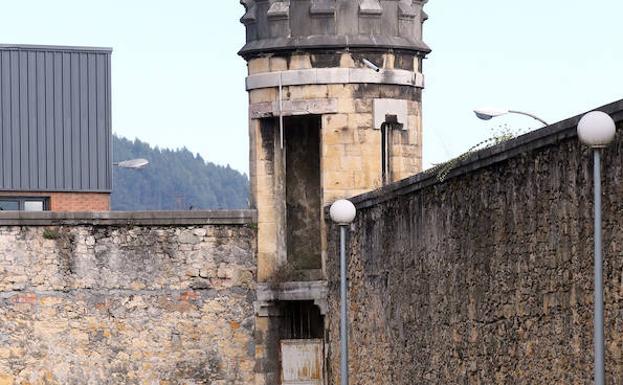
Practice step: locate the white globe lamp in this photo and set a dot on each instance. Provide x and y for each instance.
(342, 212)
(596, 129)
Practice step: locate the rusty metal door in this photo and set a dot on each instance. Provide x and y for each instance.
(302, 362)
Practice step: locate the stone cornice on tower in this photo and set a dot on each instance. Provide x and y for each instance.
(274, 26)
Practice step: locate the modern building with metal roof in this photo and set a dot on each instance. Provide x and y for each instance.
(55, 128)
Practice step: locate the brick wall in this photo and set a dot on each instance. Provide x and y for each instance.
(70, 201)
(80, 202)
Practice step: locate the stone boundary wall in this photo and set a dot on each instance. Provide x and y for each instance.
(127, 298)
(486, 278)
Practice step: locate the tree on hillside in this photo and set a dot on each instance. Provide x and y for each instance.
(174, 180)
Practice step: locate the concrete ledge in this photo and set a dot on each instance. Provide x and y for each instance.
(334, 76)
(547, 136)
(124, 218)
(293, 108)
(268, 294)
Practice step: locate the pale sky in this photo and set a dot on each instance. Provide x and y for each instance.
(177, 80)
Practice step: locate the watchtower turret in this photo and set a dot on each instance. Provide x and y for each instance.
(334, 110)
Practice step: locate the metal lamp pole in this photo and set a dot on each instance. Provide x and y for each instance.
(596, 129)
(343, 212)
(598, 329)
(343, 309)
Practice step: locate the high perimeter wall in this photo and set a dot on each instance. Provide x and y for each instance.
(127, 298)
(486, 278)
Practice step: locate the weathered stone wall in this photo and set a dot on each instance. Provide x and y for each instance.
(350, 148)
(486, 278)
(115, 303)
(349, 151)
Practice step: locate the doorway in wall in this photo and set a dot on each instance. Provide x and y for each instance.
(302, 344)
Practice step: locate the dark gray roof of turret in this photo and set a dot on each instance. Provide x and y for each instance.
(274, 26)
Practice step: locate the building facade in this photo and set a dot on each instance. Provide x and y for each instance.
(55, 128)
(334, 111)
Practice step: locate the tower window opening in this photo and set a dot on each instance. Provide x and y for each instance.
(385, 153)
(391, 122)
(302, 320)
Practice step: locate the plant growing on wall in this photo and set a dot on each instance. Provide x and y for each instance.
(501, 134)
(285, 272)
(51, 234)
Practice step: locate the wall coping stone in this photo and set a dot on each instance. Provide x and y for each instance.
(546, 136)
(124, 218)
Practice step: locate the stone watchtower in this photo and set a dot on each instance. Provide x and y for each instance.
(334, 110)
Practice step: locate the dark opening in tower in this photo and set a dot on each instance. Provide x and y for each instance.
(386, 153)
(303, 200)
(301, 320)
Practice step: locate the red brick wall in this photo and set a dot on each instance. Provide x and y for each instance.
(80, 202)
(65, 201)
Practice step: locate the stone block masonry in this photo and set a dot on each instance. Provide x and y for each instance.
(486, 278)
(350, 147)
(127, 298)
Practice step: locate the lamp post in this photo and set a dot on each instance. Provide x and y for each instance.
(596, 129)
(489, 113)
(343, 212)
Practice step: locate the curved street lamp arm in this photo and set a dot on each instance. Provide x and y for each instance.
(530, 115)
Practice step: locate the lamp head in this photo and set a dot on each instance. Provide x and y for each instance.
(596, 129)
(133, 163)
(488, 113)
(342, 212)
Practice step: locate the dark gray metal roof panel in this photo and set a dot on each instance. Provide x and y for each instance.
(53, 48)
(332, 24)
(55, 124)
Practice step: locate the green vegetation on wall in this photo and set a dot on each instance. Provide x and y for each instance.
(174, 180)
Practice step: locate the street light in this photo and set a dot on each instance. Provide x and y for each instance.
(596, 129)
(343, 212)
(489, 113)
(132, 163)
